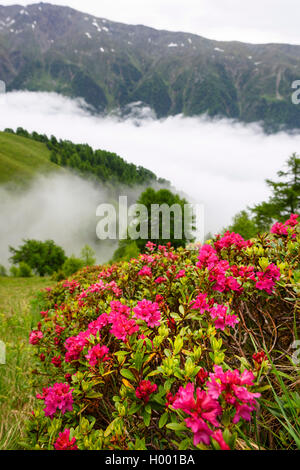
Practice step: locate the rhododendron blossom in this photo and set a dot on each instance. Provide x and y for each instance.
(280, 228)
(203, 410)
(201, 303)
(230, 239)
(35, 337)
(59, 397)
(75, 345)
(149, 312)
(207, 257)
(232, 386)
(122, 327)
(63, 441)
(222, 318)
(145, 271)
(97, 354)
(144, 390)
(267, 278)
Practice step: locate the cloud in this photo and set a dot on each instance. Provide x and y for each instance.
(255, 21)
(59, 207)
(220, 163)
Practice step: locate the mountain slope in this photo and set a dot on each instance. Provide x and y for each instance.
(21, 159)
(52, 48)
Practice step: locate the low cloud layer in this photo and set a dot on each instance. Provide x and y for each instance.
(216, 162)
(59, 207)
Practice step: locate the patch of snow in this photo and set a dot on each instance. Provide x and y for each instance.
(88, 35)
(105, 29)
(219, 50)
(249, 57)
(101, 49)
(257, 63)
(190, 41)
(172, 44)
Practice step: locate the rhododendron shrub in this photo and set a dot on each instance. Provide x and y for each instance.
(156, 353)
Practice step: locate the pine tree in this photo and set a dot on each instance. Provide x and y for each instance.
(285, 199)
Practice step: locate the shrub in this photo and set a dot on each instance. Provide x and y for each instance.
(72, 265)
(24, 270)
(3, 271)
(166, 351)
(44, 258)
(14, 271)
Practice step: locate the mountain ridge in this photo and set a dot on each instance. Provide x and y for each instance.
(44, 47)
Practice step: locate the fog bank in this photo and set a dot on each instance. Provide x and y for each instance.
(220, 163)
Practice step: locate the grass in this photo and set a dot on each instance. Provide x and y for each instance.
(17, 317)
(21, 159)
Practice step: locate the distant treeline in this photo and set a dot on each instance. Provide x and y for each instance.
(105, 166)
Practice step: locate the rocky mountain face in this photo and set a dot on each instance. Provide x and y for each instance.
(52, 48)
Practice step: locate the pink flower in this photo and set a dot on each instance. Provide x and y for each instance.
(180, 274)
(207, 257)
(218, 436)
(232, 386)
(259, 357)
(200, 303)
(75, 345)
(222, 318)
(97, 354)
(202, 410)
(151, 246)
(282, 228)
(267, 278)
(149, 312)
(160, 280)
(231, 240)
(64, 443)
(144, 390)
(145, 271)
(56, 361)
(58, 397)
(279, 229)
(122, 327)
(35, 337)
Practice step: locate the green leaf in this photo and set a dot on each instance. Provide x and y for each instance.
(163, 420)
(176, 426)
(127, 374)
(135, 407)
(178, 344)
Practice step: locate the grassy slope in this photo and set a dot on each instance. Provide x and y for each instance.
(17, 317)
(21, 159)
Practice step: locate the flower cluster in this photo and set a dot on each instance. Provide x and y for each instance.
(203, 411)
(58, 397)
(35, 337)
(144, 390)
(97, 354)
(280, 228)
(219, 313)
(266, 279)
(231, 239)
(232, 387)
(149, 312)
(63, 441)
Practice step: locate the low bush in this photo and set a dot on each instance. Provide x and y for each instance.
(173, 350)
